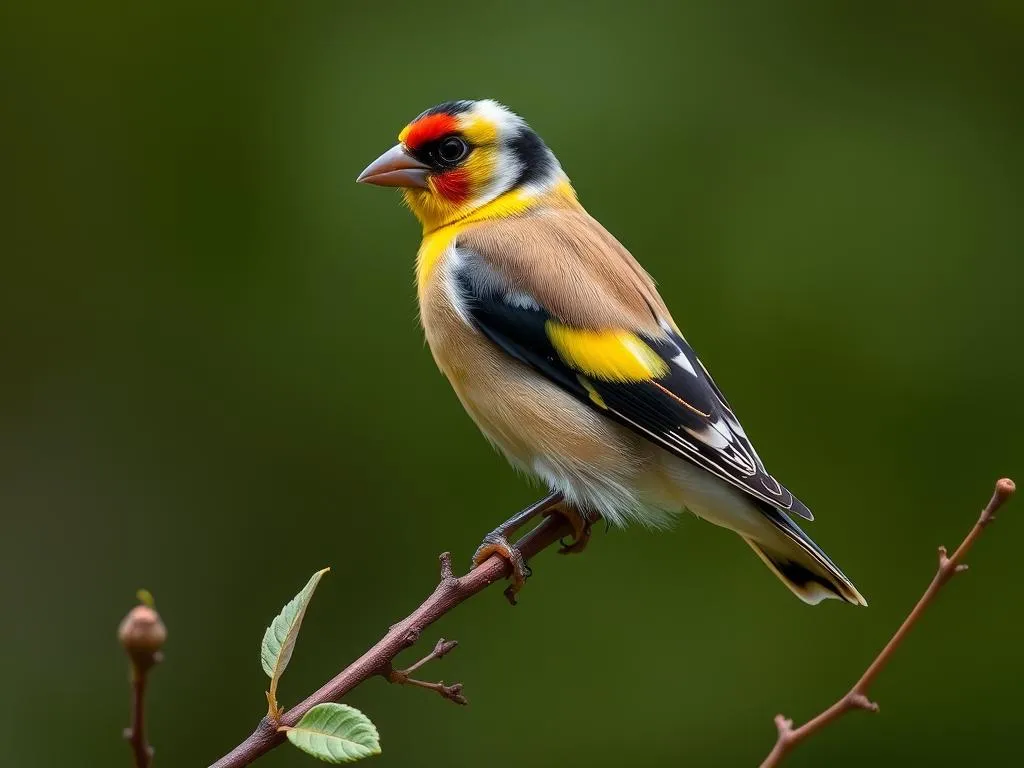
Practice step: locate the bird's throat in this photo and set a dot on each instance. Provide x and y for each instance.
(438, 235)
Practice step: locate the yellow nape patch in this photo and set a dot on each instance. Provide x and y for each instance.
(607, 355)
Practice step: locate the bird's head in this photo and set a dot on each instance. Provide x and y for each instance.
(459, 156)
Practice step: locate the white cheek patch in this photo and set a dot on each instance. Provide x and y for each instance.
(506, 170)
(508, 166)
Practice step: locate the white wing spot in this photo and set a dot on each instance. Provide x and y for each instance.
(683, 362)
(710, 437)
(735, 424)
(521, 300)
(723, 429)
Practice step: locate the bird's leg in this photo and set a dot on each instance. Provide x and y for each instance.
(496, 542)
(581, 523)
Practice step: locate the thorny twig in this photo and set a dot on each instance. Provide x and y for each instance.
(857, 697)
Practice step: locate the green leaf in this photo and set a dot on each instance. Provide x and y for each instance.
(335, 733)
(145, 597)
(279, 639)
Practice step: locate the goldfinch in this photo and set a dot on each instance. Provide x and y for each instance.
(560, 348)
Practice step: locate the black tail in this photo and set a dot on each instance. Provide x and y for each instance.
(799, 562)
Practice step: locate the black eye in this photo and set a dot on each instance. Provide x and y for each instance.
(452, 149)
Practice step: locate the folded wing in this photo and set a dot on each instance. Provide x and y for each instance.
(643, 375)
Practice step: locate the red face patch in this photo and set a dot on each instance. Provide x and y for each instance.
(453, 185)
(429, 128)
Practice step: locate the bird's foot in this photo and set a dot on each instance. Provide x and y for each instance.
(495, 543)
(581, 526)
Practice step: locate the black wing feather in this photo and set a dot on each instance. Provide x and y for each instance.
(684, 411)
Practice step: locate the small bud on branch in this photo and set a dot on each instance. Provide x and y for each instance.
(142, 635)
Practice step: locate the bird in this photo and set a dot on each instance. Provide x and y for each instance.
(561, 349)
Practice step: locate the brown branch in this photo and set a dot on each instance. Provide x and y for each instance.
(857, 697)
(450, 592)
(142, 633)
(142, 753)
(404, 676)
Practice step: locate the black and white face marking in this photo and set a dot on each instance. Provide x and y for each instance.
(523, 160)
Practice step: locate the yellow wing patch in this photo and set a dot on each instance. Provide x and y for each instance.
(608, 355)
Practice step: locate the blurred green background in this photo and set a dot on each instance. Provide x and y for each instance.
(214, 383)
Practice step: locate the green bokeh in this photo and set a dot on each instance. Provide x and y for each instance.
(214, 384)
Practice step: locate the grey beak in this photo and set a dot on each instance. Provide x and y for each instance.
(396, 168)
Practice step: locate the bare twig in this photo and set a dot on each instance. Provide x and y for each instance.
(857, 697)
(451, 692)
(450, 592)
(142, 633)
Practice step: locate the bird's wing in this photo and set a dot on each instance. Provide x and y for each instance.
(559, 294)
